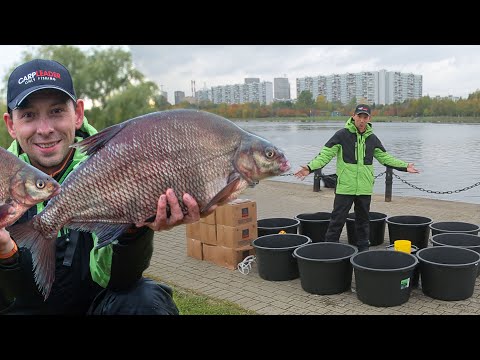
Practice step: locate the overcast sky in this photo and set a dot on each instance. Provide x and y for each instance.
(446, 69)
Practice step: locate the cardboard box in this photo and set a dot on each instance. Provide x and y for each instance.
(232, 257)
(213, 253)
(208, 234)
(236, 236)
(194, 248)
(226, 257)
(193, 230)
(210, 219)
(237, 212)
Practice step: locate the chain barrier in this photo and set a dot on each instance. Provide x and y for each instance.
(290, 174)
(409, 184)
(434, 191)
(327, 176)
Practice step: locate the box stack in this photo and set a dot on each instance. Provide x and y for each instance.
(225, 236)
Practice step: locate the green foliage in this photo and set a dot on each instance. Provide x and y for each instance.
(98, 74)
(305, 100)
(106, 79)
(109, 73)
(5, 139)
(134, 100)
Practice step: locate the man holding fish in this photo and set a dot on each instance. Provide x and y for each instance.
(44, 118)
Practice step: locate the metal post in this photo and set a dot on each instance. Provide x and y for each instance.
(317, 175)
(388, 184)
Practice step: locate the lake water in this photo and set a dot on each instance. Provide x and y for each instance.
(447, 155)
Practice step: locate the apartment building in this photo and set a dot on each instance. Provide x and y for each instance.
(373, 87)
(281, 88)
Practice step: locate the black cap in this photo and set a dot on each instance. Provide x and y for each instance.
(37, 75)
(363, 108)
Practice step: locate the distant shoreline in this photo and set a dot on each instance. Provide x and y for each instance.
(432, 119)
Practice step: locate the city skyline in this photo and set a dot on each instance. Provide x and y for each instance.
(376, 87)
(447, 70)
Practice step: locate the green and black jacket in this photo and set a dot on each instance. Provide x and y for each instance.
(81, 270)
(355, 153)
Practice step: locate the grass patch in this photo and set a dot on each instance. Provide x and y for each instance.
(190, 302)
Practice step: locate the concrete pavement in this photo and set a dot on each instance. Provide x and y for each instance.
(280, 199)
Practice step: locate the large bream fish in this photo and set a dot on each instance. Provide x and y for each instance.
(21, 187)
(132, 163)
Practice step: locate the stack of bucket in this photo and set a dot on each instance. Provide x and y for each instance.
(283, 254)
(288, 248)
(449, 269)
(277, 239)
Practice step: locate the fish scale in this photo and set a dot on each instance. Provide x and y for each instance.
(131, 164)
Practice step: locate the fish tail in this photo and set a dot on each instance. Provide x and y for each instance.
(42, 249)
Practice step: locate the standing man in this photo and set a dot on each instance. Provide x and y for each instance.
(44, 118)
(355, 147)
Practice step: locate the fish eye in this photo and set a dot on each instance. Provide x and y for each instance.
(40, 184)
(269, 153)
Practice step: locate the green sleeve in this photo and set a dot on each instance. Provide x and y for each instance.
(386, 159)
(324, 157)
(101, 263)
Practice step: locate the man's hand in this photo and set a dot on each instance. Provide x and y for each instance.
(302, 172)
(411, 168)
(162, 222)
(6, 242)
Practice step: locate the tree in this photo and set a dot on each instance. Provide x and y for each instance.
(305, 100)
(109, 72)
(134, 100)
(98, 74)
(106, 78)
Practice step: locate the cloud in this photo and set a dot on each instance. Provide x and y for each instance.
(446, 69)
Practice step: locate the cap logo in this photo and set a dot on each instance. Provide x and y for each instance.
(40, 75)
(37, 75)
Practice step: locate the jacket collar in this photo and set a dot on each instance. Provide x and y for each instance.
(350, 126)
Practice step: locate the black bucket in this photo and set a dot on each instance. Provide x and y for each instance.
(314, 225)
(448, 272)
(274, 255)
(383, 277)
(277, 225)
(416, 272)
(409, 227)
(377, 228)
(325, 267)
(468, 241)
(454, 227)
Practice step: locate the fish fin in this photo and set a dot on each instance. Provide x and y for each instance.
(93, 143)
(43, 251)
(223, 194)
(106, 233)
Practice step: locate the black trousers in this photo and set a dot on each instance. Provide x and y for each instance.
(341, 207)
(145, 297)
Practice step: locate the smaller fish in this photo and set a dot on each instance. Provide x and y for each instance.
(21, 187)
